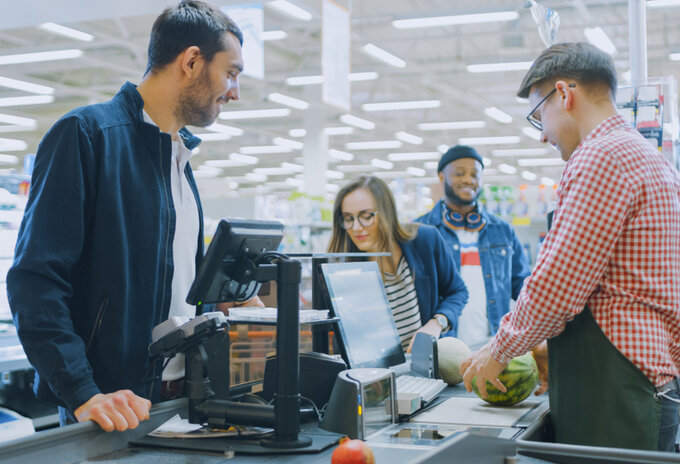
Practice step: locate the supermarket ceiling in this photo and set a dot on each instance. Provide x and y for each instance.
(437, 70)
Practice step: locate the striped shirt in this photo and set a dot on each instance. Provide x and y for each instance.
(401, 293)
(615, 246)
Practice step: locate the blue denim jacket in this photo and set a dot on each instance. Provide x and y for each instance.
(504, 262)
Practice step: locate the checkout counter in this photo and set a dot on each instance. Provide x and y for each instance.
(403, 443)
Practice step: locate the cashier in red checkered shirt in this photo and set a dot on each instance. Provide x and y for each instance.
(605, 291)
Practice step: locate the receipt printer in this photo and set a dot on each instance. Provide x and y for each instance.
(318, 372)
(362, 402)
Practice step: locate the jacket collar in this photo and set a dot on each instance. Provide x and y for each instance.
(133, 102)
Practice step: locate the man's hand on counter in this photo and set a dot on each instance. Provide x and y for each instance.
(540, 353)
(482, 365)
(119, 411)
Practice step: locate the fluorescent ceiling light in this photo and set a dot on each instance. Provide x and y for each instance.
(600, 39)
(67, 32)
(662, 3)
(363, 76)
(357, 122)
(32, 100)
(295, 182)
(452, 125)
(520, 152)
(498, 67)
(455, 20)
(415, 156)
(409, 138)
(25, 86)
(264, 149)
(9, 159)
(293, 144)
(401, 105)
(273, 171)
(304, 80)
(341, 130)
(288, 101)
(207, 171)
(547, 181)
(297, 132)
(333, 188)
(41, 56)
(356, 167)
(335, 174)
(532, 133)
(341, 155)
(382, 164)
(528, 175)
(442, 148)
(224, 129)
(431, 164)
(293, 167)
(17, 120)
(674, 56)
(486, 161)
(255, 177)
(507, 169)
(498, 115)
(273, 35)
(213, 136)
(377, 145)
(509, 139)
(418, 172)
(12, 145)
(391, 175)
(246, 159)
(540, 162)
(291, 10)
(521, 100)
(384, 56)
(254, 114)
(223, 163)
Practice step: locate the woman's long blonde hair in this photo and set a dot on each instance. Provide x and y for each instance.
(389, 229)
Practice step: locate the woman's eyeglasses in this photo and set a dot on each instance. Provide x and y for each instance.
(365, 218)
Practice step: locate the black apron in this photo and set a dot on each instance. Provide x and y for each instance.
(597, 396)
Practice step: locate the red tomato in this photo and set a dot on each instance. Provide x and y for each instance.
(352, 452)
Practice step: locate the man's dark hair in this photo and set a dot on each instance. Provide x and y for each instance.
(583, 62)
(190, 23)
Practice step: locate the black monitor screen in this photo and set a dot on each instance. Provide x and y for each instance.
(235, 242)
(368, 334)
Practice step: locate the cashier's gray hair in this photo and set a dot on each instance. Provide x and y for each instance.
(580, 61)
(391, 231)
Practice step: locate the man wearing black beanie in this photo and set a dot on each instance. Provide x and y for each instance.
(490, 258)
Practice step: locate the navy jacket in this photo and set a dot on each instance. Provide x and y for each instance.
(504, 263)
(93, 264)
(439, 286)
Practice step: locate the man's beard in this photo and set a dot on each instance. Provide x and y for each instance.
(191, 107)
(453, 198)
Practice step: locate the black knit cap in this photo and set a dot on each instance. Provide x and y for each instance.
(458, 152)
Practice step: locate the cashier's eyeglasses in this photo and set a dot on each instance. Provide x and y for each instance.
(365, 218)
(534, 121)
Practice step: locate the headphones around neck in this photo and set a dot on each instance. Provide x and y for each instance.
(472, 221)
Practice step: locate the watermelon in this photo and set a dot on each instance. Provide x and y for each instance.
(520, 377)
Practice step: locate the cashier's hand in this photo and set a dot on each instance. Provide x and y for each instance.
(120, 410)
(485, 367)
(224, 307)
(540, 354)
(431, 328)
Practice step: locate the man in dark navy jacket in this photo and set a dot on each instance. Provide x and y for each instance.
(113, 228)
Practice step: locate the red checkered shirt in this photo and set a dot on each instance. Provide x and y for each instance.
(614, 245)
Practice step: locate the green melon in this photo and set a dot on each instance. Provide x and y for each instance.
(520, 377)
(451, 353)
